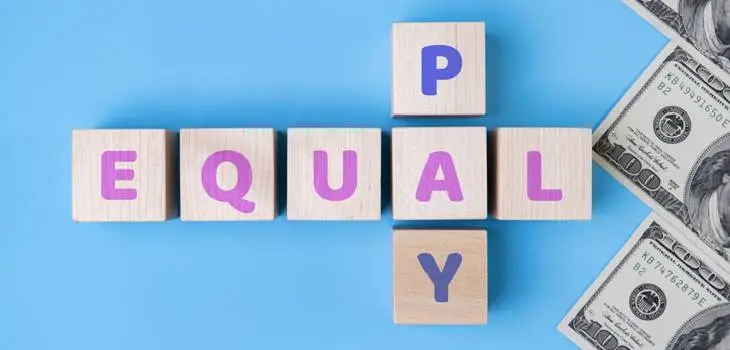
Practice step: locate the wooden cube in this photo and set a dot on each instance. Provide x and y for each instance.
(439, 173)
(123, 175)
(543, 174)
(227, 174)
(333, 174)
(440, 276)
(439, 69)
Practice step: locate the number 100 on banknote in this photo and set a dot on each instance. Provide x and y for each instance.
(667, 140)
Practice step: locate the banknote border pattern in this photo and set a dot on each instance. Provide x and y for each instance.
(580, 318)
(655, 232)
(661, 195)
(665, 14)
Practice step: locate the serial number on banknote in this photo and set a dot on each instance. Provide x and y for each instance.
(651, 263)
(672, 82)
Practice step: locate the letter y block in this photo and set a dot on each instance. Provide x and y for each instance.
(123, 175)
(542, 174)
(439, 276)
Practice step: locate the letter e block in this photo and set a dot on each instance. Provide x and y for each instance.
(123, 175)
(333, 174)
(543, 174)
(439, 69)
(440, 276)
(440, 173)
(227, 174)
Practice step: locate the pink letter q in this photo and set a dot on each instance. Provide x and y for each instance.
(234, 196)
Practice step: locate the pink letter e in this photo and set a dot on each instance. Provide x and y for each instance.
(110, 174)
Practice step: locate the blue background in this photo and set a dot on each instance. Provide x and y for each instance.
(281, 285)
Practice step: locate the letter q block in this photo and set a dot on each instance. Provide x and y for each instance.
(439, 276)
(543, 174)
(439, 69)
(440, 173)
(123, 175)
(333, 174)
(227, 174)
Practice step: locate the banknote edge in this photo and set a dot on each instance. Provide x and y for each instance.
(615, 116)
(563, 326)
(676, 39)
(639, 233)
(627, 98)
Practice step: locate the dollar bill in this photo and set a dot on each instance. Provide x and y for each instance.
(667, 140)
(659, 292)
(699, 26)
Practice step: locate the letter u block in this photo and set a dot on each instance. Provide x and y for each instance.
(333, 174)
(227, 174)
(439, 69)
(440, 173)
(123, 175)
(543, 174)
(439, 276)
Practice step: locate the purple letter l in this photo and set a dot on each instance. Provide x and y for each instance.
(534, 181)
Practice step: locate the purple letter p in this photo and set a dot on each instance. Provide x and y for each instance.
(430, 72)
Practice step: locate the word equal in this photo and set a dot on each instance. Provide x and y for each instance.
(332, 174)
(439, 276)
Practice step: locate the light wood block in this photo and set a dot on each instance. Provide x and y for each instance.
(123, 175)
(456, 260)
(543, 174)
(333, 174)
(439, 173)
(439, 69)
(227, 174)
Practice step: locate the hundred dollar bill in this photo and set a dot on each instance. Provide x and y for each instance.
(657, 293)
(667, 140)
(701, 25)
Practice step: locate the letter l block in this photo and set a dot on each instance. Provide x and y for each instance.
(439, 276)
(542, 174)
(123, 175)
(228, 174)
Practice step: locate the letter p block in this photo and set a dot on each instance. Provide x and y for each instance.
(439, 69)
(123, 175)
(440, 276)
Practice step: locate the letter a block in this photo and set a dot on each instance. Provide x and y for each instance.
(227, 174)
(123, 175)
(440, 276)
(439, 69)
(543, 174)
(333, 174)
(440, 173)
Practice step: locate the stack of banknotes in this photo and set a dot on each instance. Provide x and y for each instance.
(668, 141)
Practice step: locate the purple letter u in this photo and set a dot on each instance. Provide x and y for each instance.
(349, 176)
